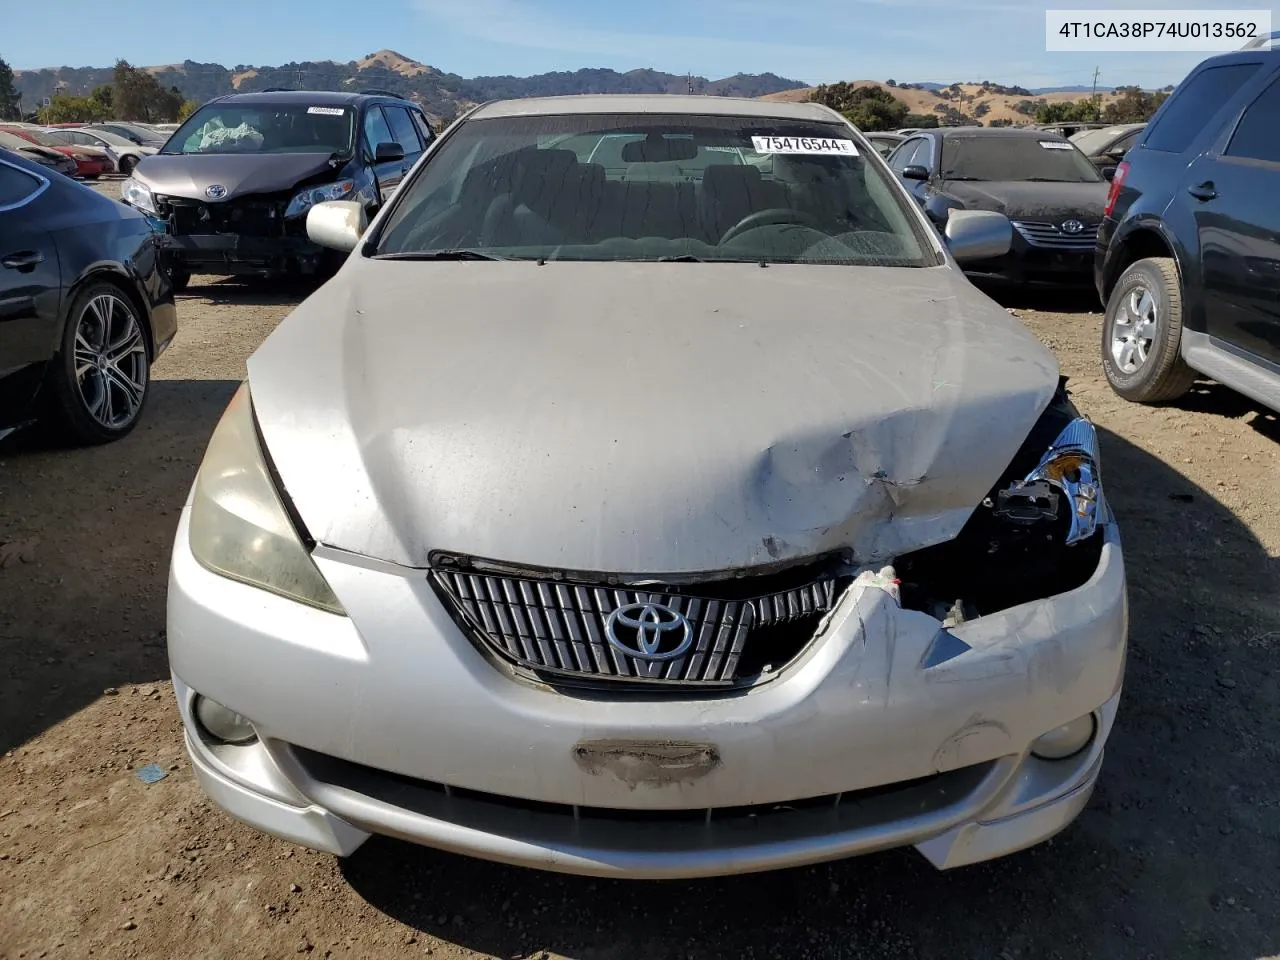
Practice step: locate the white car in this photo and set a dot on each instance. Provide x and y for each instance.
(124, 152)
(688, 517)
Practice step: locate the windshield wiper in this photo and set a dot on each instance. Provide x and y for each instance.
(969, 179)
(1049, 180)
(438, 255)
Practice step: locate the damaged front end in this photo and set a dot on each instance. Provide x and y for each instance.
(1032, 537)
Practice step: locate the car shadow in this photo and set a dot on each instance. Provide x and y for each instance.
(250, 291)
(1170, 858)
(1209, 397)
(1049, 299)
(82, 604)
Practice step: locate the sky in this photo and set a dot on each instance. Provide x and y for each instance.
(815, 41)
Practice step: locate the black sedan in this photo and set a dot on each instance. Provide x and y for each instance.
(85, 305)
(1038, 179)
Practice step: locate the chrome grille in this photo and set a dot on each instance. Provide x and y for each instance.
(559, 628)
(1052, 236)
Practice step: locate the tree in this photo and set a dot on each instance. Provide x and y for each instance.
(101, 98)
(867, 108)
(921, 121)
(188, 108)
(1069, 111)
(1134, 106)
(66, 108)
(10, 99)
(137, 95)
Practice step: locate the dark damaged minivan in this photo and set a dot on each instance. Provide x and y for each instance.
(232, 186)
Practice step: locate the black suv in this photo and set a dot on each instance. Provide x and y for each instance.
(1188, 257)
(232, 186)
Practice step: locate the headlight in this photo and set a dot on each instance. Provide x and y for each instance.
(1072, 467)
(137, 194)
(239, 527)
(304, 200)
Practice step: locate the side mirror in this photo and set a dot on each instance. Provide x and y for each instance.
(337, 224)
(388, 152)
(914, 171)
(978, 235)
(1108, 173)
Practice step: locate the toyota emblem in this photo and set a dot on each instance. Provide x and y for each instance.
(215, 191)
(649, 631)
(1072, 226)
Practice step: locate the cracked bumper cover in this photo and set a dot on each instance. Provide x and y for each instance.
(408, 695)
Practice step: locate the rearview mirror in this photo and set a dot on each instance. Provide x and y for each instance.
(337, 224)
(914, 171)
(978, 235)
(388, 152)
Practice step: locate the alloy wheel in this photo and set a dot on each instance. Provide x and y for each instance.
(1133, 329)
(110, 361)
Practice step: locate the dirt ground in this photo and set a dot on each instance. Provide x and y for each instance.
(1176, 855)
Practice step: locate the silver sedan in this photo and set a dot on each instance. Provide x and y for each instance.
(650, 495)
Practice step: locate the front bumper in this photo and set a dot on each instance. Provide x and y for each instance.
(1026, 264)
(400, 727)
(233, 253)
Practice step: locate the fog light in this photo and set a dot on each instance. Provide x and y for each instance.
(223, 723)
(1065, 741)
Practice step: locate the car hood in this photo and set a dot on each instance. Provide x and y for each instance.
(189, 175)
(1019, 200)
(643, 418)
(45, 153)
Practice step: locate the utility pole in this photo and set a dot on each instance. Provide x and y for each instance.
(689, 77)
(1097, 114)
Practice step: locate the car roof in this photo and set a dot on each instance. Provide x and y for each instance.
(1023, 133)
(319, 98)
(654, 103)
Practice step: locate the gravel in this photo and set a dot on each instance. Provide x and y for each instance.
(1175, 855)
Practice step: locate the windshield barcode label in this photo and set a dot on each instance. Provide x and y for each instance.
(816, 146)
(326, 111)
(1055, 145)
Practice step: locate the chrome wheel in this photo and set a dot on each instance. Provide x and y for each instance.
(1133, 329)
(110, 361)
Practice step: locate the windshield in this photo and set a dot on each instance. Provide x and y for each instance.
(13, 142)
(1091, 141)
(109, 137)
(1015, 158)
(264, 128)
(654, 187)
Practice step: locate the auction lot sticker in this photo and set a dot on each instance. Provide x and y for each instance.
(814, 146)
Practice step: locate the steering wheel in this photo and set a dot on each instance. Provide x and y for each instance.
(766, 218)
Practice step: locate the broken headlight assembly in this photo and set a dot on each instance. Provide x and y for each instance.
(1070, 467)
(1034, 536)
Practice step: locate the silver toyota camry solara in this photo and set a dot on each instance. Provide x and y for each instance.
(650, 495)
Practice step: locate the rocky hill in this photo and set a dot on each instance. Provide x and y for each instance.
(442, 94)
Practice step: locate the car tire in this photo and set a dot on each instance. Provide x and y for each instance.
(101, 378)
(1142, 334)
(126, 165)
